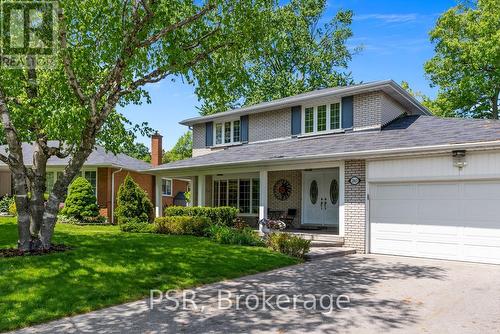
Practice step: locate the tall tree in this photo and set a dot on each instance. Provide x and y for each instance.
(138, 151)
(107, 51)
(183, 149)
(466, 66)
(300, 54)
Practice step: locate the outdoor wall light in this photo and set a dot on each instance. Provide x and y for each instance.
(459, 159)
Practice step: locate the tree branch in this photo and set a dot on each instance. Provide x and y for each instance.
(73, 81)
(156, 37)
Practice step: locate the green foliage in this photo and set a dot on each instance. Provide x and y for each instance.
(12, 208)
(81, 201)
(132, 203)
(138, 151)
(182, 225)
(183, 149)
(224, 215)
(438, 106)
(288, 244)
(466, 64)
(138, 227)
(233, 236)
(5, 203)
(295, 53)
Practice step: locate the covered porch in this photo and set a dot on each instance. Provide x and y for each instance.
(308, 196)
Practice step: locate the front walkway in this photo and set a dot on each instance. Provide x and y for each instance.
(388, 294)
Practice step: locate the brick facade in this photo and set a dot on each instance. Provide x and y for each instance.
(270, 125)
(367, 110)
(295, 199)
(355, 206)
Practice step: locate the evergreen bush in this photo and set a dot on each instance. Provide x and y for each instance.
(81, 201)
(133, 203)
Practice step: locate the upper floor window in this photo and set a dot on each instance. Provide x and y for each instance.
(228, 132)
(322, 118)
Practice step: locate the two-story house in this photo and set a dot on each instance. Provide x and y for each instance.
(366, 162)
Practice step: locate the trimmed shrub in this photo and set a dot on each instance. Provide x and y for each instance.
(224, 215)
(138, 227)
(289, 244)
(13, 208)
(5, 203)
(99, 220)
(132, 203)
(233, 236)
(182, 225)
(63, 219)
(81, 201)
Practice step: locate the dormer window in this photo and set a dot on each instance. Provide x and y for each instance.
(321, 118)
(227, 132)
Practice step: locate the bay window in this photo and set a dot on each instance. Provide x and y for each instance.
(228, 132)
(321, 118)
(240, 193)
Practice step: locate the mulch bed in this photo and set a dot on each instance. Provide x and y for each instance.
(14, 252)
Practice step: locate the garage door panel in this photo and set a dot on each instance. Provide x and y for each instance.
(482, 191)
(482, 210)
(438, 191)
(395, 191)
(453, 220)
(394, 208)
(439, 209)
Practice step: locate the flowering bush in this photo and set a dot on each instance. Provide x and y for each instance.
(276, 225)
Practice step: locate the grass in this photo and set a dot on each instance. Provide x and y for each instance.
(108, 267)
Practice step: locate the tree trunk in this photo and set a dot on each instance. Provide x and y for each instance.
(37, 200)
(22, 207)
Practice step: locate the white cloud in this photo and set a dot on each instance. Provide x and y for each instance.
(388, 18)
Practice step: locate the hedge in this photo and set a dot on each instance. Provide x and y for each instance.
(182, 225)
(224, 215)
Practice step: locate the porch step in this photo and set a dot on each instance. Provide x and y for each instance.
(326, 252)
(315, 243)
(319, 237)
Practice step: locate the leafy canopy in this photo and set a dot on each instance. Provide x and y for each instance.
(466, 64)
(183, 149)
(295, 53)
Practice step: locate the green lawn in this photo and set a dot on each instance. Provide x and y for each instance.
(108, 267)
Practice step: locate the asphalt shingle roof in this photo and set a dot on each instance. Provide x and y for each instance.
(99, 157)
(406, 132)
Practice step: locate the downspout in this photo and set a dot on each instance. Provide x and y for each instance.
(113, 195)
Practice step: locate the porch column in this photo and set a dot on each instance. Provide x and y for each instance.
(158, 197)
(263, 196)
(201, 190)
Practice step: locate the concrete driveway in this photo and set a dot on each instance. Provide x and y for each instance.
(387, 294)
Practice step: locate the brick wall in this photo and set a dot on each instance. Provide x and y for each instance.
(355, 205)
(295, 199)
(199, 137)
(270, 125)
(367, 110)
(177, 186)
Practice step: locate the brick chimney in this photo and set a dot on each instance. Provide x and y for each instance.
(156, 149)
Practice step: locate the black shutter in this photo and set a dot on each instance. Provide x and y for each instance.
(347, 112)
(296, 120)
(244, 128)
(209, 134)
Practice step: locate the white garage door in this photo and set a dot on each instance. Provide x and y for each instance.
(442, 220)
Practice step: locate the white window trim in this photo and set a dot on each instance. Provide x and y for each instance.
(223, 123)
(250, 177)
(171, 187)
(315, 106)
(82, 173)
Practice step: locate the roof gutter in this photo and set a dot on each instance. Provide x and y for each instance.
(347, 155)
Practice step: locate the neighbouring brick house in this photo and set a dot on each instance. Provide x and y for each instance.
(366, 163)
(106, 172)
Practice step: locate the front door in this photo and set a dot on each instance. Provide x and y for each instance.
(321, 194)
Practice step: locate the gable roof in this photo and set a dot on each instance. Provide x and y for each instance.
(407, 134)
(98, 158)
(388, 86)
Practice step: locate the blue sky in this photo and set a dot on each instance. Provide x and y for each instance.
(394, 36)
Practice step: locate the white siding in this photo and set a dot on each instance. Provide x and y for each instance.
(479, 165)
